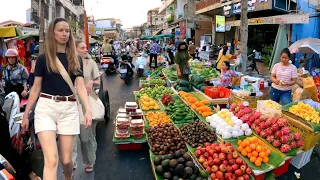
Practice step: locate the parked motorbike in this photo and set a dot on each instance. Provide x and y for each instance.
(141, 64)
(108, 65)
(252, 63)
(126, 72)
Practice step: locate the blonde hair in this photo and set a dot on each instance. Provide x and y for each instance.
(51, 50)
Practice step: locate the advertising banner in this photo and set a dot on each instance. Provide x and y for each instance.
(220, 23)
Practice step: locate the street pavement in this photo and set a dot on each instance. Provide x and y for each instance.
(113, 164)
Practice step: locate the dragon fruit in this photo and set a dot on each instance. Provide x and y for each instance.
(249, 123)
(285, 148)
(278, 134)
(241, 113)
(257, 122)
(263, 125)
(275, 127)
(256, 115)
(300, 143)
(284, 139)
(263, 117)
(285, 131)
(274, 120)
(247, 110)
(276, 143)
(270, 138)
(263, 134)
(293, 145)
(258, 129)
(297, 136)
(268, 123)
(233, 106)
(269, 132)
(282, 122)
(244, 119)
(237, 109)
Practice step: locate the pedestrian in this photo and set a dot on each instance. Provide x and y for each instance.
(88, 136)
(182, 61)
(170, 51)
(283, 76)
(192, 49)
(57, 111)
(106, 48)
(15, 75)
(304, 61)
(155, 51)
(177, 42)
(224, 56)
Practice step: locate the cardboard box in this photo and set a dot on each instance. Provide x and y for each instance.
(268, 111)
(299, 94)
(309, 85)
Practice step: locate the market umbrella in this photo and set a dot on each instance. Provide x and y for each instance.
(9, 32)
(280, 43)
(308, 45)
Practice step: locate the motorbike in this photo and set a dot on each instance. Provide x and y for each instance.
(252, 63)
(141, 64)
(126, 72)
(108, 65)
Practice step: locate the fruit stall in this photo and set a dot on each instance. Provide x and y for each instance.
(190, 138)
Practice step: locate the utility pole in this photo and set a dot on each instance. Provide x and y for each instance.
(41, 31)
(244, 34)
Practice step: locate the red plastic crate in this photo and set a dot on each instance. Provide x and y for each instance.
(259, 177)
(133, 146)
(282, 169)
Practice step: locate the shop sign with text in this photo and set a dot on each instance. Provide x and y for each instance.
(220, 23)
(253, 5)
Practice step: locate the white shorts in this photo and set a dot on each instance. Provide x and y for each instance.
(62, 117)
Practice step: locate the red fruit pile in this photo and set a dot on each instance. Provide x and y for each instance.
(166, 99)
(221, 161)
(274, 130)
(246, 114)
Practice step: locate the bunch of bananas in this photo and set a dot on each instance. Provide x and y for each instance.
(306, 112)
(272, 104)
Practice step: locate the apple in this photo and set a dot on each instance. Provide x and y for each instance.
(222, 156)
(231, 162)
(235, 155)
(208, 169)
(216, 161)
(239, 161)
(240, 178)
(243, 168)
(228, 176)
(202, 159)
(205, 164)
(228, 144)
(246, 177)
(223, 168)
(230, 148)
(198, 153)
(224, 150)
(219, 174)
(249, 170)
(207, 144)
(203, 150)
(235, 167)
(238, 172)
(225, 162)
(213, 176)
(210, 158)
(229, 169)
(211, 152)
(214, 168)
(199, 148)
(215, 155)
(229, 156)
(206, 155)
(210, 161)
(218, 149)
(208, 148)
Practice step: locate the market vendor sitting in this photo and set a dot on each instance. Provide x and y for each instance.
(226, 75)
(283, 76)
(15, 75)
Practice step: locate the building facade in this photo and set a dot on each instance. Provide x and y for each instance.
(155, 20)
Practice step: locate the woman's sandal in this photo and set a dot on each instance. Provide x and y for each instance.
(89, 169)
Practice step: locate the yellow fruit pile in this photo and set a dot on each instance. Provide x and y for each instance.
(306, 112)
(226, 116)
(272, 104)
(157, 118)
(199, 106)
(148, 103)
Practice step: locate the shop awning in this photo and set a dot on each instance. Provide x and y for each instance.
(8, 32)
(146, 38)
(26, 36)
(157, 32)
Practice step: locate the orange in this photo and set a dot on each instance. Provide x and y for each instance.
(252, 147)
(253, 159)
(244, 153)
(260, 159)
(247, 143)
(265, 159)
(249, 155)
(252, 140)
(257, 162)
(240, 148)
(255, 153)
(268, 151)
(239, 142)
(248, 149)
(259, 148)
(262, 154)
(243, 145)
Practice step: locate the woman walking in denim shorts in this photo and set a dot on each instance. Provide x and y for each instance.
(56, 111)
(283, 76)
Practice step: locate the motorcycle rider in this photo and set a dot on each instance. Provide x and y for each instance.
(106, 48)
(15, 75)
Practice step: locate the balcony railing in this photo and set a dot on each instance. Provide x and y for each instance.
(206, 3)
